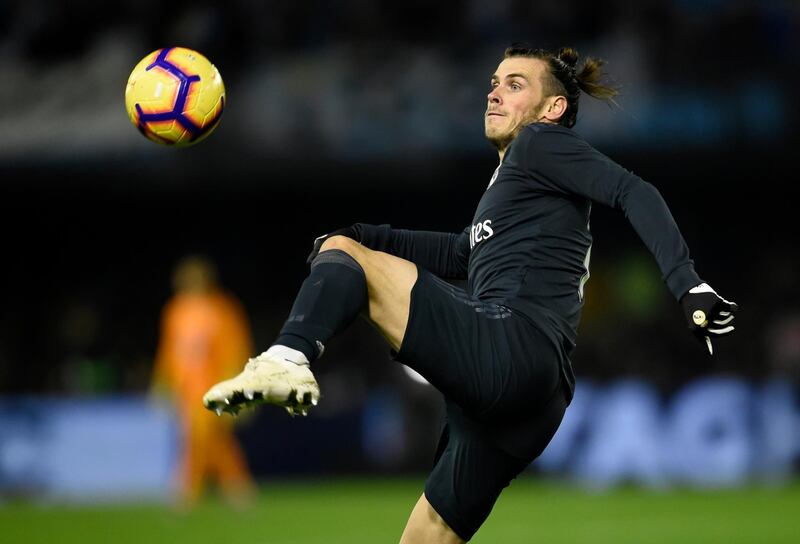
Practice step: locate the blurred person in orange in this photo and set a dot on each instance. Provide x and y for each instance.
(204, 336)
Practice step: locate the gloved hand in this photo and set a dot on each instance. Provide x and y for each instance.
(350, 232)
(708, 314)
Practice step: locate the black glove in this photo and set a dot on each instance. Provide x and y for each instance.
(350, 232)
(708, 314)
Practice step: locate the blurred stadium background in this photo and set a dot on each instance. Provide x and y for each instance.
(371, 111)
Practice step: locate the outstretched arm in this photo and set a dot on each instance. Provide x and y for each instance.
(570, 165)
(443, 253)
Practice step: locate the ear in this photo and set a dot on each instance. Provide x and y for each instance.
(556, 107)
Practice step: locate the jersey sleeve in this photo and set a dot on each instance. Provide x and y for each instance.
(562, 161)
(443, 253)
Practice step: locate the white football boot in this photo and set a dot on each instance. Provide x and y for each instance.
(279, 376)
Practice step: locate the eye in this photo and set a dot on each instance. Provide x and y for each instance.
(515, 86)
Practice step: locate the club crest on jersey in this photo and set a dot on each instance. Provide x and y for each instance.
(479, 232)
(494, 177)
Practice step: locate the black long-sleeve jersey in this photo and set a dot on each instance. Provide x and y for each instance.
(529, 244)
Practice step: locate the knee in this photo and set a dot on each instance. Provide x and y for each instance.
(343, 243)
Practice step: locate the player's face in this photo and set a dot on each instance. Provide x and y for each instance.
(515, 99)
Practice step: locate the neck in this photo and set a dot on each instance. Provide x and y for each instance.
(502, 152)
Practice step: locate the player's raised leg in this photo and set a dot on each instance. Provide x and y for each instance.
(389, 282)
(346, 279)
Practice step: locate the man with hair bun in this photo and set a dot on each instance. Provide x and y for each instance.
(499, 350)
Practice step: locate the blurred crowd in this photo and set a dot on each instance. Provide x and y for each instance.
(359, 79)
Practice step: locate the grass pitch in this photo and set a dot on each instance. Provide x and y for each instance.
(373, 511)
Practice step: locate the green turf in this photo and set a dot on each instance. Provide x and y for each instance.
(372, 511)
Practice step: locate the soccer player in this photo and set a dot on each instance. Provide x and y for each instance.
(204, 333)
(499, 351)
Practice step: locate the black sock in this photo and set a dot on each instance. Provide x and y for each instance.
(328, 301)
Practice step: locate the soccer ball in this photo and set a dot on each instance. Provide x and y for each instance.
(175, 96)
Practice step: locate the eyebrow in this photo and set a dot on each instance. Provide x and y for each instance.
(521, 76)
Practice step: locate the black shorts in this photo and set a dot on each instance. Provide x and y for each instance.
(505, 397)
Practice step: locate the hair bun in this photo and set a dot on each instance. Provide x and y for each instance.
(568, 56)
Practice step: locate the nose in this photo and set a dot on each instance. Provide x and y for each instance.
(494, 96)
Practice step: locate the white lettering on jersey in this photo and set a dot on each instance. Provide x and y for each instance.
(479, 232)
